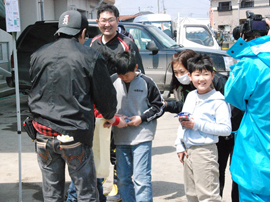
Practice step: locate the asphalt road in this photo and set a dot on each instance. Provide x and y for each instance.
(167, 177)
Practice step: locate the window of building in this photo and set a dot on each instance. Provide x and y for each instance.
(247, 3)
(225, 6)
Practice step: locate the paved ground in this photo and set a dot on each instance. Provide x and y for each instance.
(167, 176)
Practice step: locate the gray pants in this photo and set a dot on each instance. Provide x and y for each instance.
(201, 174)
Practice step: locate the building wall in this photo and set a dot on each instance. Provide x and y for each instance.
(5, 51)
(49, 12)
(54, 8)
(28, 7)
(231, 18)
(60, 6)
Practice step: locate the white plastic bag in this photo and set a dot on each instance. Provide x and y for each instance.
(101, 148)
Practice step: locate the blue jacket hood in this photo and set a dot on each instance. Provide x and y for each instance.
(259, 47)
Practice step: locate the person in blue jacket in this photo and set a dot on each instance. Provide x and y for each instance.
(248, 89)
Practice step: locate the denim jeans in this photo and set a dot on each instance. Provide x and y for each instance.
(72, 195)
(134, 160)
(52, 157)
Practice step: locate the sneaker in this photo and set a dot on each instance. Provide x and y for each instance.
(115, 198)
(114, 195)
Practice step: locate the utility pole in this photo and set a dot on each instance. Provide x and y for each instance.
(157, 6)
(239, 12)
(164, 9)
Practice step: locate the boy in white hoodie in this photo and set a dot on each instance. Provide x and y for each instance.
(197, 138)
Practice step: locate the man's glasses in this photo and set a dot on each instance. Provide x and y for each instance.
(104, 22)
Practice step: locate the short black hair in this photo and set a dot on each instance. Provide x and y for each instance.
(200, 62)
(108, 7)
(126, 62)
(120, 63)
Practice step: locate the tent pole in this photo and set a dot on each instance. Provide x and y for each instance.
(18, 110)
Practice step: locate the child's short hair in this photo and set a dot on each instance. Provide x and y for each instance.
(200, 62)
(121, 63)
(125, 62)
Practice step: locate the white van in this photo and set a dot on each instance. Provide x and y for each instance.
(192, 32)
(161, 21)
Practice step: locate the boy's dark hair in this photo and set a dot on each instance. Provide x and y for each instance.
(121, 63)
(200, 62)
(126, 62)
(108, 7)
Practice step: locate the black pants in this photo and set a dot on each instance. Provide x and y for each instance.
(113, 158)
(225, 149)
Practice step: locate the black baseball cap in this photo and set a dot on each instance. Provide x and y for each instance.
(71, 23)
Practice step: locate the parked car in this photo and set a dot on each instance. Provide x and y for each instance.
(33, 37)
(156, 49)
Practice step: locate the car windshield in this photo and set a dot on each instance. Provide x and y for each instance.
(162, 37)
(199, 35)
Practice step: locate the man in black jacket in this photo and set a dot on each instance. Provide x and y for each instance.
(68, 78)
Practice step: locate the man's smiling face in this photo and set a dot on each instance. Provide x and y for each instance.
(107, 24)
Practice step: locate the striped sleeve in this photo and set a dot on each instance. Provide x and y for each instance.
(155, 101)
(94, 39)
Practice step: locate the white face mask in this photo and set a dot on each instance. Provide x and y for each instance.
(183, 79)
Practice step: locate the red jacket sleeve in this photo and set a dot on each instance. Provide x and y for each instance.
(99, 115)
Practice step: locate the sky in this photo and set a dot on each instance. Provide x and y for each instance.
(190, 8)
